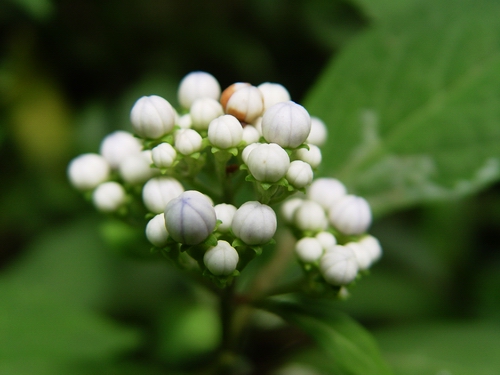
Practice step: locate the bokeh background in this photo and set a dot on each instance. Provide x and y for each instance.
(80, 293)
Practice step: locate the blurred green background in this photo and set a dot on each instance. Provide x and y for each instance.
(71, 303)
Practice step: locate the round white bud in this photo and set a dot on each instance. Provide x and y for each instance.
(136, 169)
(319, 132)
(185, 121)
(225, 132)
(230, 90)
(225, 213)
(299, 174)
(197, 85)
(372, 245)
(273, 93)
(311, 156)
(86, 171)
(190, 218)
(363, 256)
(308, 249)
(246, 104)
(254, 223)
(326, 239)
(221, 260)
(258, 125)
(287, 124)
(158, 191)
(351, 215)
(339, 265)
(268, 162)
(326, 191)
(163, 155)
(247, 150)
(108, 196)
(250, 134)
(289, 207)
(152, 117)
(310, 216)
(115, 147)
(156, 232)
(188, 141)
(203, 111)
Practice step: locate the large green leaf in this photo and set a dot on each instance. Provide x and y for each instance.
(412, 105)
(347, 347)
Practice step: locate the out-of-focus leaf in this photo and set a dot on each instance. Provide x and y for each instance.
(444, 348)
(38, 9)
(347, 346)
(380, 9)
(412, 105)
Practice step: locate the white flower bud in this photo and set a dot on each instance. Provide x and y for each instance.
(225, 213)
(108, 196)
(351, 215)
(326, 239)
(190, 218)
(299, 174)
(250, 134)
(116, 146)
(203, 111)
(258, 125)
(152, 117)
(287, 124)
(372, 245)
(268, 162)
(310, 216)
(326, 191)
(363, 256)
(246, 104)
(273, 93)
(86, 171)
(225, 132)
(222, 259)
(230, 90)
(247, 150)
(197, 85)
(308, 249)
(156, 232)
(339, 265)
(163, 155)
(311, 156)
(136, 169)
(185, 121)
(289, 207)
(188, 141)
(158, 191)
(254, 223)
(319, 132)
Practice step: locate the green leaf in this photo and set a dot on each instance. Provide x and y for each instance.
(380, 9)
(347, 345)
(458, 348)
(412, 105)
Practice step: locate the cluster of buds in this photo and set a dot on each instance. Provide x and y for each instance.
(186, 169)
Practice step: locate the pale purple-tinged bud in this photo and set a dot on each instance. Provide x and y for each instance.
(136, 169)
(156, 232)
(115, 147)
(299, 174)
(152, 117)
(308, 249)
(326, 239)
(312, 156)
(250, 134)
(158, 191)
(86, 171)
(372, 245)
(273, 93)
(246, 104)
(163, 155)
(319, 132)
(339, 265)
(203, 111)
(287, 124)
(190, 218)
(254, 223)
(221, 260)
(197, 85)
(326, 191)
(310, 216)
(268, 162)
(108, 196)
(363, 256)
(225, 132)
(351, 215)
(225, 213)
(188, 141)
